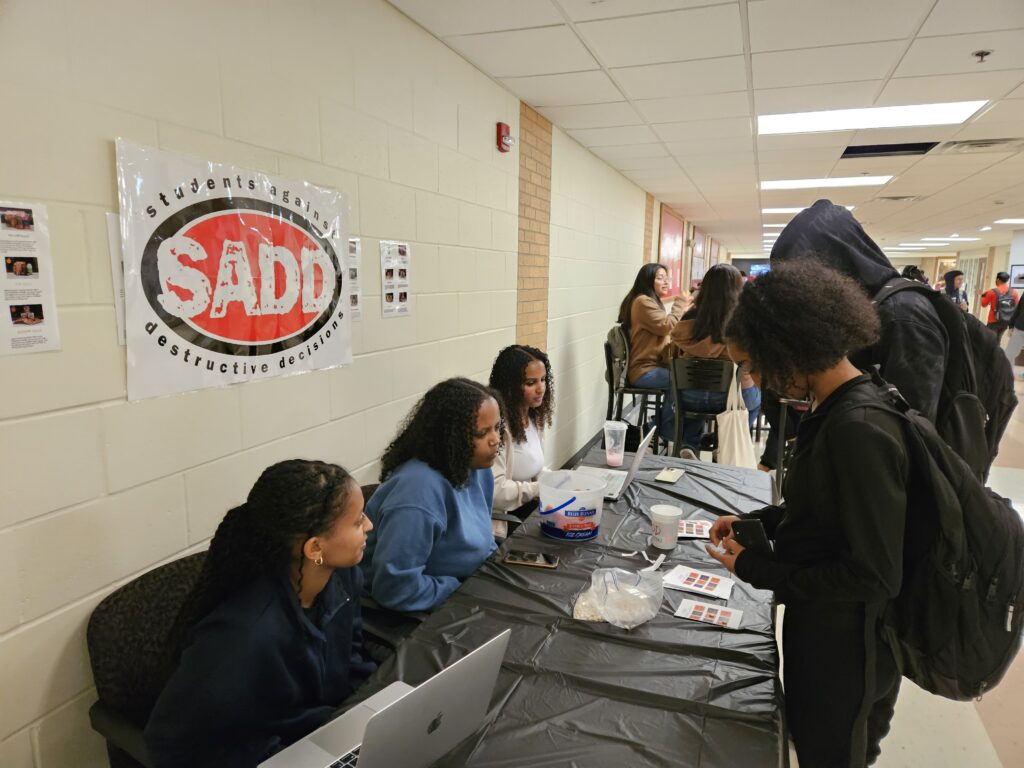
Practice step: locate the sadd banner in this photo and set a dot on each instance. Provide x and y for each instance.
(231, 274)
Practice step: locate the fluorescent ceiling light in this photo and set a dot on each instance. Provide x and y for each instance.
(1008, 221)
(985, 229)
(841, 181)
(792, 210)
(905, 248)
(922, 245)
(775, 226)
(953, 239)
(949, 113)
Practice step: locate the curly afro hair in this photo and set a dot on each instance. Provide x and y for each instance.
(441, 429)
(801, 318)
(507, 376)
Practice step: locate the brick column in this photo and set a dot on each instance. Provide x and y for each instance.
(534, 227)
(649, 229)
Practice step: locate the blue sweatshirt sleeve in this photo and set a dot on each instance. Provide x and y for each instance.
(406, 536)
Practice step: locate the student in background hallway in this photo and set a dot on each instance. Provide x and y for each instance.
(701, 333)
(648, 326)
(522, 376)
(1002, 303)
(432, 511)
(953, 285)
(269, 642)
(839, 536)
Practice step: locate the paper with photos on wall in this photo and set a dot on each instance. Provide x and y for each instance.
(353, 277)
(29, 323)
(395, 274)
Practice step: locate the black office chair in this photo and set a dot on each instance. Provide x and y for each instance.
(616, 361)
(714, 375)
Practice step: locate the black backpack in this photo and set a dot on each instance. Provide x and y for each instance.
(1005, 304)
(978, 395)
(956, 625)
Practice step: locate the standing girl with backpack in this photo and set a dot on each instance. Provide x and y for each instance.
(839, 535)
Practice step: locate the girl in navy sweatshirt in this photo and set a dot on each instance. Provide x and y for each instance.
(270, 637)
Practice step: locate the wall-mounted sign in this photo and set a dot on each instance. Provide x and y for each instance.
(231, 274)
(29, 322)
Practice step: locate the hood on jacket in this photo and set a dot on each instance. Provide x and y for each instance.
(950, 278)
(829, 233)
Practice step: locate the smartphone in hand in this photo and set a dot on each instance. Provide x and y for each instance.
(750, 534)
(534, 559)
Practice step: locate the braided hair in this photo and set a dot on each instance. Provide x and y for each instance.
(507, 377)
(440, 430)
(291, 501)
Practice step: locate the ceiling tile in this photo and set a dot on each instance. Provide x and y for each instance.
(567, 89)
(952, 54)
(683, 78)
(805, 140)
(701, 107)
(643, 163)
(615, 153)
(724, 160)
(934, 89)
(462, 17)
(727, 127)
(597, 137)
(663, 37)
(836, 64)
(812, 98)
(586, 10)
(1010, 110)
(545, 51)
(709, 146)
(592, 115)
(786, 25)
(904, 135)
(951, 17)
(874, 166)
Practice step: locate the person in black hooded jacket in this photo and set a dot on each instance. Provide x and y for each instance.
(912, 346)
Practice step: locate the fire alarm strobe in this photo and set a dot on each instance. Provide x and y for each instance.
(505, 142)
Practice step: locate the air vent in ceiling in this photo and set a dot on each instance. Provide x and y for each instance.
(899, 198)
(888, 150)
(977, 146)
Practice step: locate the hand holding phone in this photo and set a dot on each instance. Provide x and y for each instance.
(533, 559)
(722, 529)
(750, 534)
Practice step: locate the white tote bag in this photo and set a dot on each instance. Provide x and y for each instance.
(734, 443)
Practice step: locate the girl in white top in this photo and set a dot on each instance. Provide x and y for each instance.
(522, 375)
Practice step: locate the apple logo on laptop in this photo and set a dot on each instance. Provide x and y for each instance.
(435, 723)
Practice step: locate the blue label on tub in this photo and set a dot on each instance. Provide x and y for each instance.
(554, 532)
(580, 512)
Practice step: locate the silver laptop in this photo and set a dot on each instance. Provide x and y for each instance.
(405, 726)
(616, 480)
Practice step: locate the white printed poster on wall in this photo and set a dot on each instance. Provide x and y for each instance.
(116, 271)
(230, 274)
(26, 282)
(395, 274)
(355, 266)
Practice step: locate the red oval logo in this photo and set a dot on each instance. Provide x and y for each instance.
(240, 274)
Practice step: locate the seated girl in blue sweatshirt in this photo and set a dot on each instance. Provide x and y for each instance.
(432, 511)
(270, 636)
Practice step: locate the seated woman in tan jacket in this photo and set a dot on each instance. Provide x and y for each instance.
(701, 333)
(644, 318)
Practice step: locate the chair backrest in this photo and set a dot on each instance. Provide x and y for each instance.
(368, 491)
(711, 375)
(127, 636)
(616, 357)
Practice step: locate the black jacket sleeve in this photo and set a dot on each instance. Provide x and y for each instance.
(868, 472)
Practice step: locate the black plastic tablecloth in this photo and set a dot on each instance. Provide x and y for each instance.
(670, 692)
